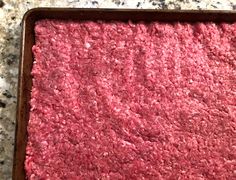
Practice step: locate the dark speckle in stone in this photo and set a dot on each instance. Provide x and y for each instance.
(1, 3)
(160, 3)
(9, 38)
(7, 94)
(94, 2)
(213, 6)
(177, 7)
(122, 3)
(13, 18)
(138, 4)
(2, 104)
(1, 162)
(154, 3)
(117, 2)
(164, 6)
(234, 7)
(11, 59)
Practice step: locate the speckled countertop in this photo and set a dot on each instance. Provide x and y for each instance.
(11, 12)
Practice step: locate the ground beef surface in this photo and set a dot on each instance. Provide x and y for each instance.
(115, 100)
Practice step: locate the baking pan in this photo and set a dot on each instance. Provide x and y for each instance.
(27, 41)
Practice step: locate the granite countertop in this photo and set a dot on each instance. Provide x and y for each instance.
(11, 12)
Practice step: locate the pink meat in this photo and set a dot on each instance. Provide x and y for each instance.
(132, 101)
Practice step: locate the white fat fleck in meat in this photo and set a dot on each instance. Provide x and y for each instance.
(87, 45)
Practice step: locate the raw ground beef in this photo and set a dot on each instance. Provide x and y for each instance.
(133, 101)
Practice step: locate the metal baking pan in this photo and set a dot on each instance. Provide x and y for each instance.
(26, 58)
